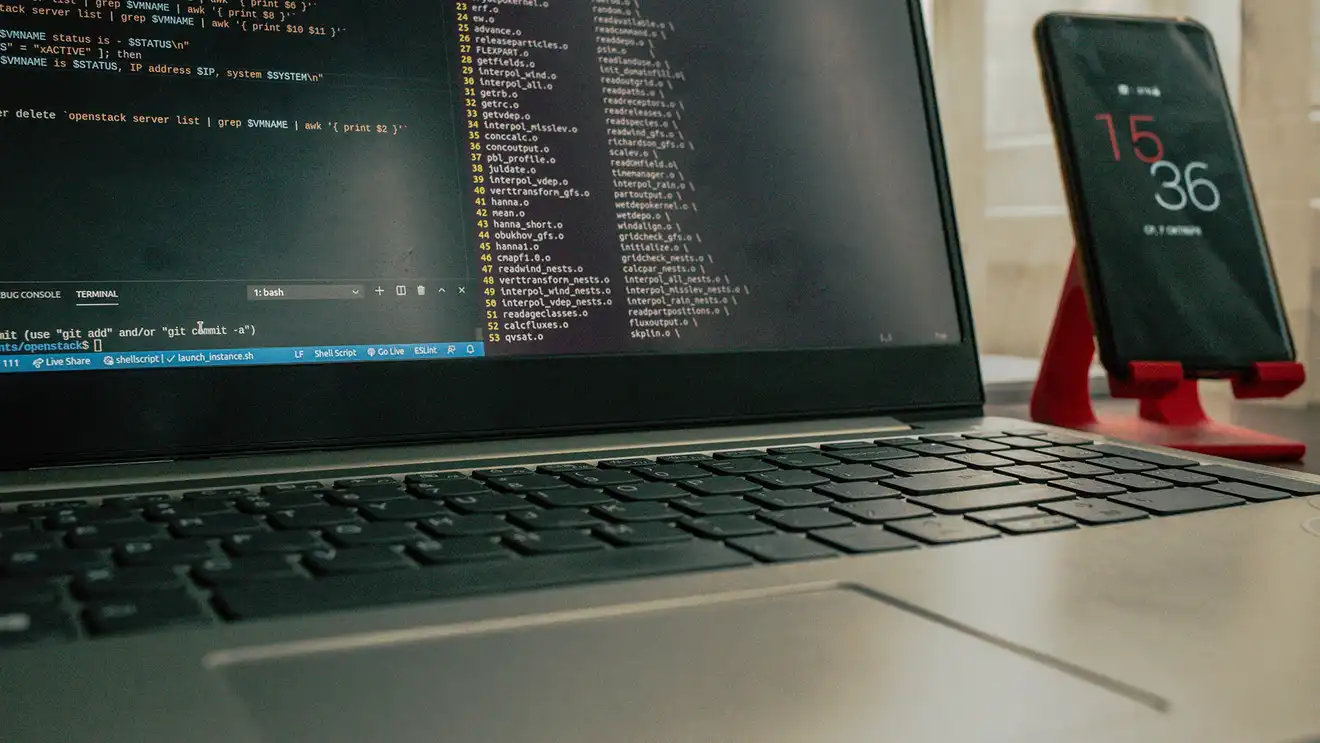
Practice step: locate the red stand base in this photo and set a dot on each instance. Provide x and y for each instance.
(1170, 412)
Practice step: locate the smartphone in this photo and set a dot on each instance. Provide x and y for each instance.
(1172, 248)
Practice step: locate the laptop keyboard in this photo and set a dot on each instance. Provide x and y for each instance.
(84, 569)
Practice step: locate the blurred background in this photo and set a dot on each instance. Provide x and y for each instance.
(1011, 210)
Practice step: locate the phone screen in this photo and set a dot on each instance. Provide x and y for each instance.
(1177, 264)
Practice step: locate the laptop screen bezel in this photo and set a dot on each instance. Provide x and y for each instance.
(81, 417)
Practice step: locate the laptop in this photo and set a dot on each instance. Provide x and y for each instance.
(535, 370)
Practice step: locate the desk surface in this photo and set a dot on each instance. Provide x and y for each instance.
(1302, 424)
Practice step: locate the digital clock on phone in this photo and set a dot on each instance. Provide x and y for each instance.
(1176, 263)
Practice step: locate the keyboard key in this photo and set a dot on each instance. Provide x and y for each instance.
(277, 501)
(855, 491)
(1275, 481)
(570, 498)
(740, 454)
(1037, 525)
(846, 445)
(863, 539)
(234, 492)
(106, 582)
(947, 482)
(922, 465)
(668, 472)
(1064, 439)
(739, 466)
(28, 592)
(854, 472)
(421, 477)
(935, 450)
(683, 458)
(487, 503)
(290, 487)
(795, 449)
(1149, 457)
(623, 464)
(71, 517)
(1122, 464)
(366, 535)
(942, 529)
(782, 548)
(1183, 477)
(527, 483)
(479, 525)
(726, 527)
(802, 461)
(489, 472)
(720, 486)
(448, 488)
(1031, 473)
(790, 479)
(984, 461)
(551, 542)
(460, 549)
(51, 562)
(648, 491)
(1132, 481)
(1026, 456)
(1094, 511)
(20, 625)
(1021, 442)
(22, 541)
(898, 441)
(363, 495)
(164, 552)
(796, 498)
(15, 522)
(597, 478)
(632, 535)
(717, 505)
(314, 517)
(539, 519)
(805, 519)
(335, 594)
(404, 510)
(1081, 469)
(990, 518)
(976, 500)
(221, 571)
(880, 511)
(631, 512)
(354, 482)
(1088, 487)
(979, 445)
(941, 438)
(1070, 452)
(1250, 492)
(878, 454)
(99, 536)
(141, 613)
(41, 509)
(564, 468)
(172, 510)
(1177, 500)
(272, 543)
(358, 560)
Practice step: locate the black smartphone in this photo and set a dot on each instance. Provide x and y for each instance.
(1173, 251)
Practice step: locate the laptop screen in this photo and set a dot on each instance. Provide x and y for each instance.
(223, 183)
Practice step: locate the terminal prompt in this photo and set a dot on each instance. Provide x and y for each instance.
(304, 292)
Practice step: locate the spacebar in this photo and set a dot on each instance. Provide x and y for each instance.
(288, 598)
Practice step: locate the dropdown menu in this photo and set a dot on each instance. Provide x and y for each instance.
(303, 292)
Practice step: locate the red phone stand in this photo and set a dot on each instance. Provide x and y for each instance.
(1170, 411)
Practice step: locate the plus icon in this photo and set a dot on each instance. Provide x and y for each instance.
(379, 291)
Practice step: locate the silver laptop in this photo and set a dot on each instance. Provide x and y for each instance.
(564, 370)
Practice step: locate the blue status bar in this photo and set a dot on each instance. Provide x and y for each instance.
(241, 357)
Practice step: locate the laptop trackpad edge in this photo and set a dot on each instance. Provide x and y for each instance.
(833, 664)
